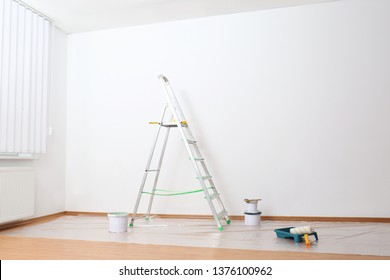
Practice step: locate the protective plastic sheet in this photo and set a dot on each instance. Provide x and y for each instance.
(342, 238)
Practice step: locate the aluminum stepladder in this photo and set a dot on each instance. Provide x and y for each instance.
(202, 174)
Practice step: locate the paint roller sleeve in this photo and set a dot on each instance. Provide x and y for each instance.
(301, 230)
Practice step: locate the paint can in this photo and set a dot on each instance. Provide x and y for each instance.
(117, 221)
(252, 219)
(252, 215)
(251, 205)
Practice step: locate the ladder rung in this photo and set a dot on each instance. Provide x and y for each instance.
(213, 196)
(205, 177)
(140, 217)
(190, 141)
(222, 214)
(197, 159)
(151, 170)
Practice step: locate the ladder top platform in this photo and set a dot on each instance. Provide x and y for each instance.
(169, 124)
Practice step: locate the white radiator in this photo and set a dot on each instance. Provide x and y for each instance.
(17, 188)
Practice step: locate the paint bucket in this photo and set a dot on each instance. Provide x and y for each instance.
(251, 205)
(252, 219)
(117, 221)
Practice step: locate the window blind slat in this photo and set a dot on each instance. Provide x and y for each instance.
(26, 83)
(33, 82)
(45, 82)
(19, 79)
(39, 85)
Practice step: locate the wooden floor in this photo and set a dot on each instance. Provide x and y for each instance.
(26, 248)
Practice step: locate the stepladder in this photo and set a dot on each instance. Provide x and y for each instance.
(173, 118)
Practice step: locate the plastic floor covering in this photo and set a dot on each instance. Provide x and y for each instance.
(339, 238)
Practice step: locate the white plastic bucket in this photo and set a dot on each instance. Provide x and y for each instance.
(118, 221)
(252, 219)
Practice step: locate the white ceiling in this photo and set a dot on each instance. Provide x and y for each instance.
(87, 15)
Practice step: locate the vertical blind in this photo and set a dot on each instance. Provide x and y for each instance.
(25, 38)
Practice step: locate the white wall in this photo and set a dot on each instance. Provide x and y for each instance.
(50, 167)
(289, 105)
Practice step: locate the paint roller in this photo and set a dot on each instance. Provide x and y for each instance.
(301, 230)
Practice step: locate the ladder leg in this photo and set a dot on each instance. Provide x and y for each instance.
(213, 210)
(158, 172)
(141, 189)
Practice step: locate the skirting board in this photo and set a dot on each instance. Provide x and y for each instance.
(37, 220)
(181, 216)
(272, 218)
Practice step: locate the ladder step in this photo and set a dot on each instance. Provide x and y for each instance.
(152, 170)
(190, 141)
(205, 177)
(197, 159)
(214, 196)
(139, 217)
(222, 214)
